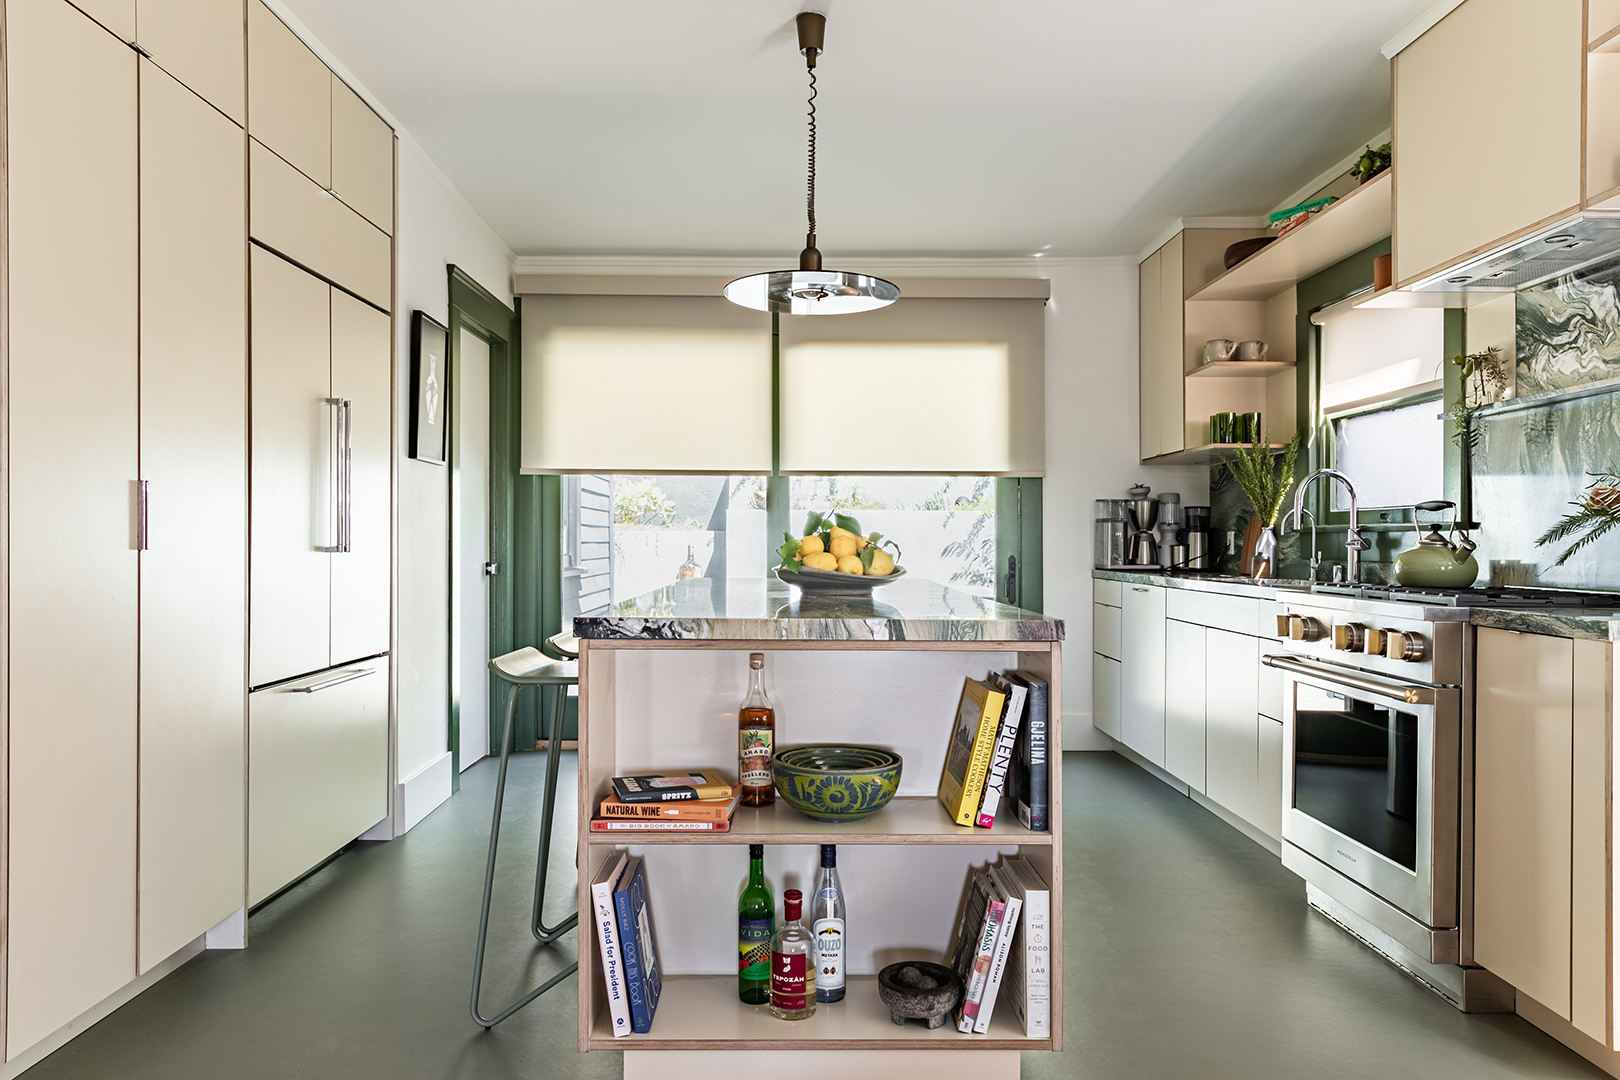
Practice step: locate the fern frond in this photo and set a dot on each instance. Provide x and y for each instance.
(1596, 533)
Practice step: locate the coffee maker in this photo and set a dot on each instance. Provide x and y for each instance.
(1172, 548)
(1142, 549)
(1197, 531)
(1113, 534)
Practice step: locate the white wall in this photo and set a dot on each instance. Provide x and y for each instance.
(1091, 452)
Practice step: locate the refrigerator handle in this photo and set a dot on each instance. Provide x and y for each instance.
(334, 476)
(143, 515)
(346, 463)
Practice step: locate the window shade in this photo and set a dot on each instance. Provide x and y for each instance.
(953, 386)
(640, 384)
(1380, 354)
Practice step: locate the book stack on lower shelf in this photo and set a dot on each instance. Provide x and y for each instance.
(629, 947)
(1003, 940)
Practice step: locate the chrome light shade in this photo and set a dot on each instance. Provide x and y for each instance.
(812, 292)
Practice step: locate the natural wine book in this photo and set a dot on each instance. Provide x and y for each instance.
(696, 784)
(613, 807)
(967, 759)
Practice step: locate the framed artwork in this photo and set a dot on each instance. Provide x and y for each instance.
(430, 371)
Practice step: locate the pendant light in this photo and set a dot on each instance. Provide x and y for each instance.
(810, 290)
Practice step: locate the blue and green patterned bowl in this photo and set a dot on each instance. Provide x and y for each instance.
(836, 783)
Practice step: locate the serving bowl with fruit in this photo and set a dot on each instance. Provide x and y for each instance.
(832, 556)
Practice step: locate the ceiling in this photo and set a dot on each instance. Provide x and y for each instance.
(1067, 127)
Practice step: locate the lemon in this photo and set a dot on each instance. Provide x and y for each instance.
(860, 541)
(821, 560)
(882, 564)
(843, 545)
(849, 564)
(810, 545)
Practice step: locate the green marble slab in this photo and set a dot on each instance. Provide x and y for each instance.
(1590, 625)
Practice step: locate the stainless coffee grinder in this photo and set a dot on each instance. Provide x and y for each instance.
(1197, 531)
(1113, 533)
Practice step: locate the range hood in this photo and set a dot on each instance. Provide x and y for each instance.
(1573, 244)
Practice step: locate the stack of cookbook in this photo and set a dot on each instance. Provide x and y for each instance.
(997, 759)
(1004, 940)
(699, 800)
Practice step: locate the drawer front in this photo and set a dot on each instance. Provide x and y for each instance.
(1105, 695)
(1271, 687)
(1266, 625)
(1239, 614)
(1105, 630)
(291, 214)
(1108, 591)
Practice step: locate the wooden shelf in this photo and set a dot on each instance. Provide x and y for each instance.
(1208, 454)
(912, 820)
(1239, 369)
(1355, 221)
(708, 1004)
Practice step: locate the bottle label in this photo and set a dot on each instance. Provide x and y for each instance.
(788, 989)
(829, 936)
(754, 948)
(754, 756)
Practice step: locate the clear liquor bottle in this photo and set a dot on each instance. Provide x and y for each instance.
(792, 996)
(756, 923)
(827, 928)
(756, 738)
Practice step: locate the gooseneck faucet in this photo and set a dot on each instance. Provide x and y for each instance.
(1355, 543)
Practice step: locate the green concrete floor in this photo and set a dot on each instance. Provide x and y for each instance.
(1189, 952)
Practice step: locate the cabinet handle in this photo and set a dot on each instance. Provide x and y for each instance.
(1139, 588)
(341, 475)
(336, 680)
(143, 515)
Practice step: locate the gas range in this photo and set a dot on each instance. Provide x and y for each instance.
(1506, 597)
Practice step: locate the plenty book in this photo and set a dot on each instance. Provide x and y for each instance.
(614, 808)
(1001, 757)
(606, 917)
(967, 759)
(643, 977)
(695, 784)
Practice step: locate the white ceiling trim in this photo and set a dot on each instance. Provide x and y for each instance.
(1253, 222)
(1420, 26)
(1025, 266)
(405, 137)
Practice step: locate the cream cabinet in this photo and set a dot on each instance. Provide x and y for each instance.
(1107, 648)
(118, 16)
(289, 96)
(1454, 193)
(1142, 671)
(193, 444)
(1233, 709)
(1106, 689)
(73, 568)
(292, 215)
(362, 157)
(202, 44)
(1185, 718)
(1161, 411)
(1541, 899)
(362, 352)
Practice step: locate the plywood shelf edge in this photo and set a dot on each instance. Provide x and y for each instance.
(1239, 369)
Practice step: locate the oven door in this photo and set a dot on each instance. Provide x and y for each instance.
(1371, 770)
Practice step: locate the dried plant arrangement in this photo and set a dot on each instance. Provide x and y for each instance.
(1596, 514)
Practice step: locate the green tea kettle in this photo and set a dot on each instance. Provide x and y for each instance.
(1438, 562)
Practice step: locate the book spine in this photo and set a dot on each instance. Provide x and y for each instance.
(981, 967)
(1037, 961)
(639, 1018)
(998, 964)
(607, 935)
(979, 766)
(647, 795)
(644, 825)
(654, 811)
(1032, 809)
(996, 782)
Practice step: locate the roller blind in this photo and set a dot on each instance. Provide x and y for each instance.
(1371, 355)
(951, 386)
(639, 384)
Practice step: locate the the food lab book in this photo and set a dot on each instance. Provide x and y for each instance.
(1030, 753)
(1003, 949)
(981, 924)
(1001, 757)
(695, 784)
(643, 976)
(606, 917)
(1028, 979)
(967, 759)
(598, 825)
(688, 810)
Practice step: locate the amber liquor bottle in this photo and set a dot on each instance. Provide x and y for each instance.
(756, 738)
(793, 982)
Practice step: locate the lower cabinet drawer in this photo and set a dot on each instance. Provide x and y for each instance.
(1105, 630)
(1238, 614)
(1107, 591)
(317, 769)
(1105, 695)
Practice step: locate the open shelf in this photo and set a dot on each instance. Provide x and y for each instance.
(1239, 369)
(701, 1012)
(1208, 454)
(1355, 221)
(916, 819)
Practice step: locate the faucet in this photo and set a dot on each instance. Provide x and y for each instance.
(1355, 543)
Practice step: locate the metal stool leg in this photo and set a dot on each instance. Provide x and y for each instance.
(489, 888)
(543, 933)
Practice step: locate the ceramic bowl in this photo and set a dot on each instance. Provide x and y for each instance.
(832, 583)
(836, 783)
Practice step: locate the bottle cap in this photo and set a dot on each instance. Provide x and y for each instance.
(792, 900)
(756, 660)
(756, 851)
(829, 854)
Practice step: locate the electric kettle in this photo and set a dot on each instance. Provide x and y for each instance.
(1438, 562)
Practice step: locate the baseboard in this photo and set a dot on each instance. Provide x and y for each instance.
(65, 1034)
(1566, 1033)
(229, 933)
(1238, 823)
(1147, 766)
(421, 793)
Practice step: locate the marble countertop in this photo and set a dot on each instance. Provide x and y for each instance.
(1217, 583)
(1591, 624)
(764, 609)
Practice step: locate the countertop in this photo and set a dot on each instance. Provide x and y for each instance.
(1593, 624)
(764, 609)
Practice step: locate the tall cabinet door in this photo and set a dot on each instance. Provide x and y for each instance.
(194, 571)
(1233, 689)
(292, 496)
(1142, 671)
(361, 375)
(73, 569)
(203, 44)
(1184, 717)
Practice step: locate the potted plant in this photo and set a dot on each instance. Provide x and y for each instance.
(1484, 380)
(1266, 482)
(1371, 163)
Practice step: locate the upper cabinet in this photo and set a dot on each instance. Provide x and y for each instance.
(202, 44)
(289, 96)
(1478, 164)
(362, 157)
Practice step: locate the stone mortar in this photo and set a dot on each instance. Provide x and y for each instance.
(918, 990)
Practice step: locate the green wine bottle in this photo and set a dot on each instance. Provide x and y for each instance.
(756, 922)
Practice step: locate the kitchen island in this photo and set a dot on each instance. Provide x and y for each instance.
(661, 678)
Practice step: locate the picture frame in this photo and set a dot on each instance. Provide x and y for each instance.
(430, 378)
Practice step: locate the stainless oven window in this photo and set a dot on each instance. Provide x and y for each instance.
(1356, 770)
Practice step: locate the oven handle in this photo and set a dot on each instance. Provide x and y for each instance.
(1412, 695)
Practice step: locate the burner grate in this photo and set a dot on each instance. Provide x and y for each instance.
(1497, 597)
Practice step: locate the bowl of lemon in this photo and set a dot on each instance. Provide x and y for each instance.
(834, 557)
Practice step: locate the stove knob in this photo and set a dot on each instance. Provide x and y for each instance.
(1306, 628)
(1347, 637)
(1405, 646)
(1372, 641)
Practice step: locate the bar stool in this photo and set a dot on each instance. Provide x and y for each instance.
(529, 667)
